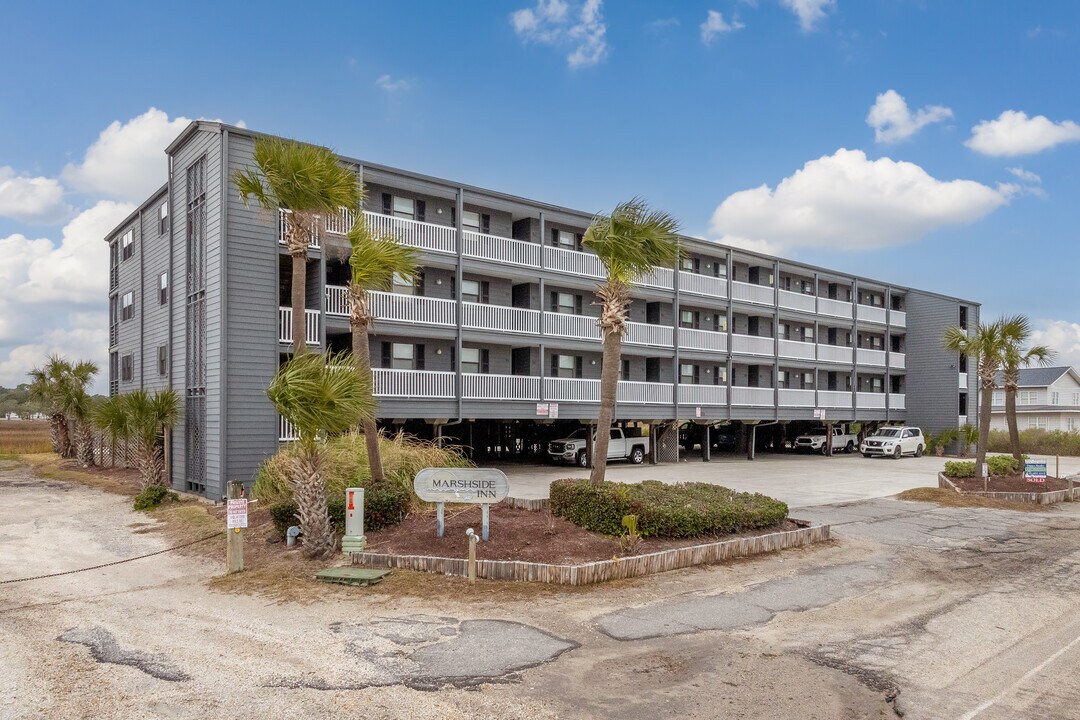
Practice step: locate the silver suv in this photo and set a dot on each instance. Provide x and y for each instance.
(894, 442)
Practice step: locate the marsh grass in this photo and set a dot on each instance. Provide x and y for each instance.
(24, 437)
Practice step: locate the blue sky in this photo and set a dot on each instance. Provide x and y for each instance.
(747, 120)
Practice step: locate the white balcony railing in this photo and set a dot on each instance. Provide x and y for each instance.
(645, 334)
(798, 301)
(500, 249)
(413, 383)
(748, 292)
(752, 396)
(793, 397)
(286, 431)
(413, 309)
(834, 398)
(646, 393)
(834, 353)
(897, 360)
(706, 285)
(337, 301)
(314, 243)
(663, 278)
(834, 308)
(341, 222)
(703, 394)
(898, 318)
(481, 386)
(481, 316)
(573, 262)
(427, 236)
(796, 349)
(691, 339)
(871, 313)
(896, 401)
(581, 327)
(752, 344)
(870, 400)
(867, 356)
(564, 389)
(311, 326)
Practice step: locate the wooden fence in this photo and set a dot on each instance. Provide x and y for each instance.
(109, 454)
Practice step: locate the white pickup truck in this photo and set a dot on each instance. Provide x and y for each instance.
(814, 441)
(620, 447)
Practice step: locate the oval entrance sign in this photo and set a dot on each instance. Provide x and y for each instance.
(461, 485)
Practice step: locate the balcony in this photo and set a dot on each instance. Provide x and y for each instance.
(798, 301)
(577, 389)
(691, 339)
(796, 349)
(871, 313)
(580, 327)
(340, 223)
(834, 399)
(870, 400)
(703, 394)
(793, 397)
(500, 249)
(413, 383)
(315, 242)
(752, 345)
(898, 318)
(834, 353)
(574, 262)
(707, 285)
(481, 316)
(897, 402)
(897, 360)
(663, 278)
(286, 431)
(479, 386)
(426, 236)
(748, 292)
(866, 356)
(650, 335)
(413, 309)
(834, 308)
(752, 396)
(311, 326)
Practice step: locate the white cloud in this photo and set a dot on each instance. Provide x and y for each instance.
(390, 85)
(809, 12)
(716, 25)
(127, 161)
(87, 339)
(553, 22)
(1025, 175)
(1061, 336)
(846, 201)
(1014, 133)
(893, 121)
(31, 199)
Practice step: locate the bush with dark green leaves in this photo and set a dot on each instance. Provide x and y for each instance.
(384, 504)
(996, 465)
(153, 496)
(683, 510)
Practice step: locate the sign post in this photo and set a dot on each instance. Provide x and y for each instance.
(461, 485)
(236, 518)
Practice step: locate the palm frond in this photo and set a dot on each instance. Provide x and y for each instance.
(298, 176)
(111, 417)
(375, 261)
(633, 239)
(322, 394)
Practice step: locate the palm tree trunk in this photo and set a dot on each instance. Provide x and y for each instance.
(362, 356)
(84, 442)
(1010, 417)
(299, 302)
(151, 464)
(609, 389)
(987, 398)
(309, 492)
(57, 429)
(63, 435)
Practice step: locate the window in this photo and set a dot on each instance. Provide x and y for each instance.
(781, 379)
(720, 375)
(625, 374)
(127, 306)
(1037, 422)
(404, 208)
(808, 334)
(474, 360)
(163, 218)
(1076, 398)
(688, 374)
(566, 366)
(962, 405)
(564, 240)
(163, 288)
(474, 291)
(999, 398)
(1055, 397)
(963, 363)
(690, 264)
(1026, 397)
(566, 303)
(127, 367)
(163, 360)
(719, 269)
(402, 356)
(404, 285)
(808, 380)
(963, 318)
(720, 323)
(127, 245)
(782, 331)
(1073, 424)
(689, 318)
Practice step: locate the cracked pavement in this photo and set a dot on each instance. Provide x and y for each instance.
(944, 612)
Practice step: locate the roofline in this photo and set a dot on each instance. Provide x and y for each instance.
(1065, 370)
(196, 125)
(135, 213)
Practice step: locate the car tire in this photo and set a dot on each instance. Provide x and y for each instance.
(582, 459)
(824, 450)
(897, 453)
(850, 447)
(919, 451)
(637, 456)
(863, 454)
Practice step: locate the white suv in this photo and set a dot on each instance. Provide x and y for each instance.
(894, 442)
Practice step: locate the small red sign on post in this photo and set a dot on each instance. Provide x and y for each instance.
(236, 513)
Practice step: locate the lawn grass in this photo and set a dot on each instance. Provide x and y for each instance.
(20, 437)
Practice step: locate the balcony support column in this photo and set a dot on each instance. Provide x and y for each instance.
(855, 350)
(887, 382)
(676, 304)
(458, 272)
(730, 327)
(776, 340)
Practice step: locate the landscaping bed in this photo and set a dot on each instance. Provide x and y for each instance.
(1009, 483)
(525, 535)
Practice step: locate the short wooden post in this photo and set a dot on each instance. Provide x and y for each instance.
(485, 528)
(472, 554)
(440, 517)
(234, 543)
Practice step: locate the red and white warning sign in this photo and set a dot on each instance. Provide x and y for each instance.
(236, 513)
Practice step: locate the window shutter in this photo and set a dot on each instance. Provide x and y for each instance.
(418, 357)
(578, 366)
(386, 355)
(485, 295)
(577, 304)
(554, 301)
(485, 224)
(453, 358)
(554, 366)
(554, 237)
(484, 361)
(387, 204)
(578, 245)
(453, 216)
(453, 288)
(421, 206)
(418, 283)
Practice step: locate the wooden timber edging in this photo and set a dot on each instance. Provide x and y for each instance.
(604, 570)
(1037, 498)
(534, 504)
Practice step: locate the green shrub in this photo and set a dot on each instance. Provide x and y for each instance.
(995, 464)
(960, 469)
(384, 504)
(676, 511)
(153, 496)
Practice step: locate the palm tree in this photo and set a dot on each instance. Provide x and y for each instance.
(630, 242)
(61, 388)
(320, 396)
(77, 404)
(1017, 332)
(374, 262)
(306, 181)
(986, 346)
(969, 435)
(141, 417)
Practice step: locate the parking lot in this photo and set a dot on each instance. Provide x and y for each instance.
(799, 480)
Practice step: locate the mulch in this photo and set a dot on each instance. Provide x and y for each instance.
(1010, 483)
(516, 534)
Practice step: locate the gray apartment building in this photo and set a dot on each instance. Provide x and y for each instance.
(495, 344)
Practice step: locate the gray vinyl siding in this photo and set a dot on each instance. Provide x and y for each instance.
(154, 323)
(932, 395)
(252, 325)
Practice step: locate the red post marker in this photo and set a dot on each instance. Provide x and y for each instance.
(351, 501)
